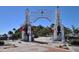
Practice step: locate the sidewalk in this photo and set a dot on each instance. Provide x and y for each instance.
(31, 47)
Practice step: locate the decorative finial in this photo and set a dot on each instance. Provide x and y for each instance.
(26, 11)
(57, 6)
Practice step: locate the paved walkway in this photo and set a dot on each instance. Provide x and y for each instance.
(37, 46)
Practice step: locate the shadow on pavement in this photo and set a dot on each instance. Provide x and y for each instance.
(40, 42)
(75, 43)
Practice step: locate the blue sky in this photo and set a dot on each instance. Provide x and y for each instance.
(14, 16)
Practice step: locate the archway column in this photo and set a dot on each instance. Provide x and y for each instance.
(26, 32)
(58, 28)
(29, 33)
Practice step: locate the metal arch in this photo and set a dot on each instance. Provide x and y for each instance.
(42, 17)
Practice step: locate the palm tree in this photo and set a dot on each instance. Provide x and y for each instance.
(73, 29)
(52, 25)
(14, 30)
(10, 34)
(5, 36)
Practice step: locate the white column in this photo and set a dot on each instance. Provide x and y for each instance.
(29, 32)
(62, 35)
(58, 23)
(55, 32)
(23, 35)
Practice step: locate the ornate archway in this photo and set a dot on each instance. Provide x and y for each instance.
(58, 27)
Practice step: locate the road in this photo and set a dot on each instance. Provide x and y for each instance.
(42, 44)
(75, 48)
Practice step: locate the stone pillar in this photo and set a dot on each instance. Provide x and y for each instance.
(55, 32)
(57, 20)
(29, 33)
(63, 36)
(23, 32)
(28, 23)
(58, 28)
(23, 35)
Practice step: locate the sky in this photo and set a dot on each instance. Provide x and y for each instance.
(14, 16)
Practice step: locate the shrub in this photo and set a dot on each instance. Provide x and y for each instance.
(2, 43)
